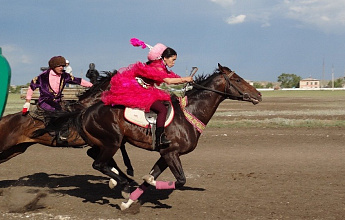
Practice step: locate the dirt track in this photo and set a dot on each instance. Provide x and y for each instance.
(234, 173)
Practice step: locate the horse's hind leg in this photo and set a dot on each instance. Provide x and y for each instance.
(106, 164)
(13, 151)
(95, 151)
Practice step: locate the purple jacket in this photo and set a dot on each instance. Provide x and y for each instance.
(49, 100)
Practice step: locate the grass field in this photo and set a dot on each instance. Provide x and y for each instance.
(285, 109)
(14, 104)
(279, 108)
(304, 93)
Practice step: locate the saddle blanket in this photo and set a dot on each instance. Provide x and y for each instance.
(142, 119)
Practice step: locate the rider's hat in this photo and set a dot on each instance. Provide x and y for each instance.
(155, 52)
(57, 61)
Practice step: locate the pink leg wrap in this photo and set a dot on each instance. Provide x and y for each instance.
(165, 185)
(137, 193)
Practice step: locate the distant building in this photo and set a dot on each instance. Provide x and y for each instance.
(309, 83)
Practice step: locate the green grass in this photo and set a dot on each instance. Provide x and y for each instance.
(303, 93)
(276, 123)
(14, 104)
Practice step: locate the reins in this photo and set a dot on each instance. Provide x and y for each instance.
(227, 79)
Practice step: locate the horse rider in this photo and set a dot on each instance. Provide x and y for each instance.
(92, 73)
(134, 86)
(51, 84)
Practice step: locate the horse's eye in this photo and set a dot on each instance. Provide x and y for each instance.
(238, 80)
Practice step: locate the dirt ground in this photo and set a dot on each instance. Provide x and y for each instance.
(234, 173)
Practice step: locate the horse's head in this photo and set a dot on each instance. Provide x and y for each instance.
(237, 88)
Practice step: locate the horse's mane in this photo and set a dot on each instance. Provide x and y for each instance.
(97, 87)
(202, 80)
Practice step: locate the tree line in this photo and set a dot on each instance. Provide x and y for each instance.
(288, 80)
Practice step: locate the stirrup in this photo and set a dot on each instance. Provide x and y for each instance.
(163, 140)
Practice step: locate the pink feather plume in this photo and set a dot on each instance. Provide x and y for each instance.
(137, 43)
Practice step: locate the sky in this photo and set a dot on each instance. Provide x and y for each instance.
(259, 39)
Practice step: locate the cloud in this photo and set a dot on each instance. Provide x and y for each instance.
(236, 19)
(324, 15)
(224, 3)
(15, 55)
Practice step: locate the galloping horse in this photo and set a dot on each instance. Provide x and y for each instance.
(105, 127)
(16, 130)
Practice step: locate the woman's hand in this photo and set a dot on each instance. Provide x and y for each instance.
(187, 79)
(178, 80)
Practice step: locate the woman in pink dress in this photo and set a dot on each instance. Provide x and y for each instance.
(134, 86)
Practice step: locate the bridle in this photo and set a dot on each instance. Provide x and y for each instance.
(243, 96)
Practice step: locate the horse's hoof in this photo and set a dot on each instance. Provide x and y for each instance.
(115, 171)
(124, 206)
(149, 179)
(125, 195)
(126, 192)
(130, 172)
(112, 183)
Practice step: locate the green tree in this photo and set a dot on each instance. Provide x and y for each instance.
(258, 85)
(338, 83)
(16, 89)
(288, 80)
(269, 85)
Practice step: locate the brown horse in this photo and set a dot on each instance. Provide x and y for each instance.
(105, 127)
(16, 130)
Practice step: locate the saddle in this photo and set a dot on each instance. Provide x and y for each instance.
(60, 136)
(147, 120)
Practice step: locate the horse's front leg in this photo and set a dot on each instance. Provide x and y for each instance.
(171, 160)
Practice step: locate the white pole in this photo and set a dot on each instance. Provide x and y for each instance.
(332, 78)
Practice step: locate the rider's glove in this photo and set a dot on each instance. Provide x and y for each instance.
(26, 108)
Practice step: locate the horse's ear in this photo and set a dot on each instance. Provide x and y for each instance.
(220, 67)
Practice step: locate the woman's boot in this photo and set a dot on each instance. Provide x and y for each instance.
(161, 140)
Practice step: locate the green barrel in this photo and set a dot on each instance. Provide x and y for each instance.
(5, 79)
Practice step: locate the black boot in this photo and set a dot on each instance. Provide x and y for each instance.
(161, 140)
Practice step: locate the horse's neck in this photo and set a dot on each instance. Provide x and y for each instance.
(204, 107)
(94, 97)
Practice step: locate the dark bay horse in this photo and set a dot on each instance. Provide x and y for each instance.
(105, 127)
(16, 130)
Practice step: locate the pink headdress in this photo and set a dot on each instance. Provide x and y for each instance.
(155, 52)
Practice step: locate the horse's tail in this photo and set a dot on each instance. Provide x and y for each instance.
(59, 121)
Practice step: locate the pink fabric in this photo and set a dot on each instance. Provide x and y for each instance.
(29, 93)
(156, 52)
(125, 90)
(85, 83)
(137, 43)
(54, 81)
(138, 192)
(165, 185)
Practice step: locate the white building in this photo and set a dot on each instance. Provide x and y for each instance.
(309, 83)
